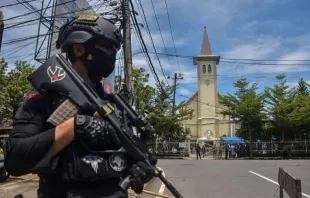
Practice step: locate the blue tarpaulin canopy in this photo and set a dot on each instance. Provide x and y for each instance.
(233, 140)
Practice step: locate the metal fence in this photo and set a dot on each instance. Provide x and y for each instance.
(217, 150)
(168, 148)
(296, 146)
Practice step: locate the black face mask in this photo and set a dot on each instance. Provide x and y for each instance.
(101, 65)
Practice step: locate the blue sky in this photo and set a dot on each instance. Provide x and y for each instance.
(240, 29)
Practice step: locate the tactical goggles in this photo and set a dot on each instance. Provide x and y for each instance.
(106, 46)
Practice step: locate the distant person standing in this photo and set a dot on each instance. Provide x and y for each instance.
(198, 152)
(232, 150)
(287, 152)
(247, 149)
(203, 151)
(226, 151)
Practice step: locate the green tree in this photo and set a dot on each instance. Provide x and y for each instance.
(156, 105)
(300, 115)
(279, 99)
(3, 70)
(144, 93)
(168, 120)
(247, 107)
(302, 88)
(14, 86)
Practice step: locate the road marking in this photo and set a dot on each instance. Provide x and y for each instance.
(162, 186)
(274, 182)
(264, 177)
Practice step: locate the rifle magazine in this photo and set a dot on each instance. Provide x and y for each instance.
(65, 111)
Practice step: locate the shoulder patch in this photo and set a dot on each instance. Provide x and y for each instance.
(35, 95)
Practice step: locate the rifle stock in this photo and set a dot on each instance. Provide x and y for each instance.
(72, 86)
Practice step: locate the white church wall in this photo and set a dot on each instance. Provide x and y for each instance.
(191, 124)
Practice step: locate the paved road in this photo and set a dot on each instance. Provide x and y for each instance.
(232, 178)
(203, 179)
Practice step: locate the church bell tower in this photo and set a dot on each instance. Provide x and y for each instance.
(206, 64)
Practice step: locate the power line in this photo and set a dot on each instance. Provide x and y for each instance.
(250, 63)
(202, 102)
(145, 54)
(28, 13)
(260, 59)
(35, 36)
(175, 51)
(256, 63)
(151, 39)
(141, 47)
(160, 32)
(64, 3)
(162, 38)
(135, 23)
(190, 56)
(4, 6)
(18, 24)
(21, 23)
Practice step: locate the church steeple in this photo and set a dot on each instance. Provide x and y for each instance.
(205, 48)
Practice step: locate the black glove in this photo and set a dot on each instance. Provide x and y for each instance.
(140, 173)
(153, 160)
(95, 131)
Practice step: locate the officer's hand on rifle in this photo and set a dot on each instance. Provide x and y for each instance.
(140, 173)
(94, 130)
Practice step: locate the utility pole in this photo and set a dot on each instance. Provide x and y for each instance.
(1, 28)
(129, 88)
(177, 76)
(127, 51)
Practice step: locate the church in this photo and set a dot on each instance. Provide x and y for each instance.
(207, 123)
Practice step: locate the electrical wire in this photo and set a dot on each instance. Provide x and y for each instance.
(4, 6)
(64, 3)
(152, 41)
(201, 102)
(21, 23)
(175, 51)
(30, 37)
(135, 22)
(140, 45)
(162, 38)
(251, 63)
(28, 13)
(10, 42)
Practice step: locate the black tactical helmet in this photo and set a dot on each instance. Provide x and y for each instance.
(86, 27)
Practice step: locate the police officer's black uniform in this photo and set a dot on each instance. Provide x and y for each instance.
(30, 143)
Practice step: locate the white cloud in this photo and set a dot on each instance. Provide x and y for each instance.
(270, 27)
(260, 48)
(267, 47)
(158, 41)
(292, 84)
(185, 92)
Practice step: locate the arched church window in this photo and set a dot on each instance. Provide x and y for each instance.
(209, 68)
(204, 69)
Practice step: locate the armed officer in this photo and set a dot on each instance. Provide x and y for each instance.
(54, 153)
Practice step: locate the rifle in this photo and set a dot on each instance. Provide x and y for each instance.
(57, 75)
